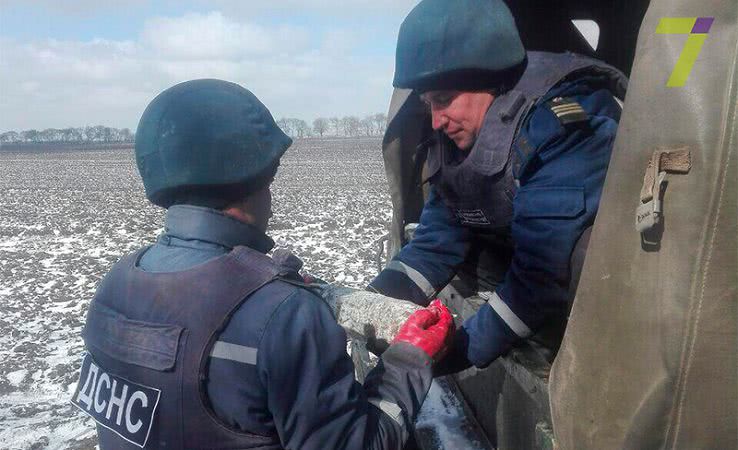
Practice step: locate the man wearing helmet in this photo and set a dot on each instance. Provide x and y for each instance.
(516, 167)
(203, 341)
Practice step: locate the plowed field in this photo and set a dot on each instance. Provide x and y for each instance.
(67, 216)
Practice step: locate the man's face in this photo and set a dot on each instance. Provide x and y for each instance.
(459, 114)
(259, 205)
(256, 209)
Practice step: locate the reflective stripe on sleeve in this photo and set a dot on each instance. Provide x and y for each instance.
(415, 276)
(234, 352)
(389, 408)
(506, 314)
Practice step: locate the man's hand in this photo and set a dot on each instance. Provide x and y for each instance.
(428, 329)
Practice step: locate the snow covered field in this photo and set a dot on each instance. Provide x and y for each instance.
(66, 217)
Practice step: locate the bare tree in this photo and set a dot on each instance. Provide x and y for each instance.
(29, 136)
(72, 134)
(336, 125)
(126, 135)
(295, 128)
(10, 136)
(350, 125)
(380, 123)
(300, 128)
(99, 133)
(367, 125)
(285, 125)
(320, 126)
(91, 134)
(108, 134)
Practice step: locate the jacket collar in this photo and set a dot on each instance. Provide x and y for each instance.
(190, 222)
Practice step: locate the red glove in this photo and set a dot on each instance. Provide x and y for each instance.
(428, 329)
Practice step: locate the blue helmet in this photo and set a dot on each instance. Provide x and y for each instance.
(457, 44)
(206, 142)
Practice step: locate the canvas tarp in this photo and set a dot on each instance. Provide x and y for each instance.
(650, 355)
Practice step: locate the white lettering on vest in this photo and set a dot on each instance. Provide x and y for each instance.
(117, 401)
(86, 393)
(137, 395)
(100, 406)
(102, 392)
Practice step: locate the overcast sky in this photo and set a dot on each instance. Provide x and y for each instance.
(88, 62)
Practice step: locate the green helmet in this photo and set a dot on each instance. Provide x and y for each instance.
(208, 143)
(457, 44)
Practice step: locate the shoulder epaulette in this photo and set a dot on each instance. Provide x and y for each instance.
(567, 110)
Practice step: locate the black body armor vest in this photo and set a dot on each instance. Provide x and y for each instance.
(481, 188)
(149, 336)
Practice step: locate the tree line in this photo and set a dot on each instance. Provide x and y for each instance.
(98, 133)
(349, 126)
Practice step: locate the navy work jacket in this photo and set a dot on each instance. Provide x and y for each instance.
(557, 199)
(301, 386)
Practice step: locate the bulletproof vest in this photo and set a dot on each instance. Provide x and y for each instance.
(148, 337)
(481, 188)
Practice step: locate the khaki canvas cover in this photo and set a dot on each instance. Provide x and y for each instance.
(650, 356)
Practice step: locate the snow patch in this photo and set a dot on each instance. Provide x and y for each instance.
(67, 217)
(442, 414)
(16, 377)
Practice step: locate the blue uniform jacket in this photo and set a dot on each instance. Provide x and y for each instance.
(302, 387)
(560, 186)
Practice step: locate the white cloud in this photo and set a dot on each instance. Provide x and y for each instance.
(213, 36)
(295, 71)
